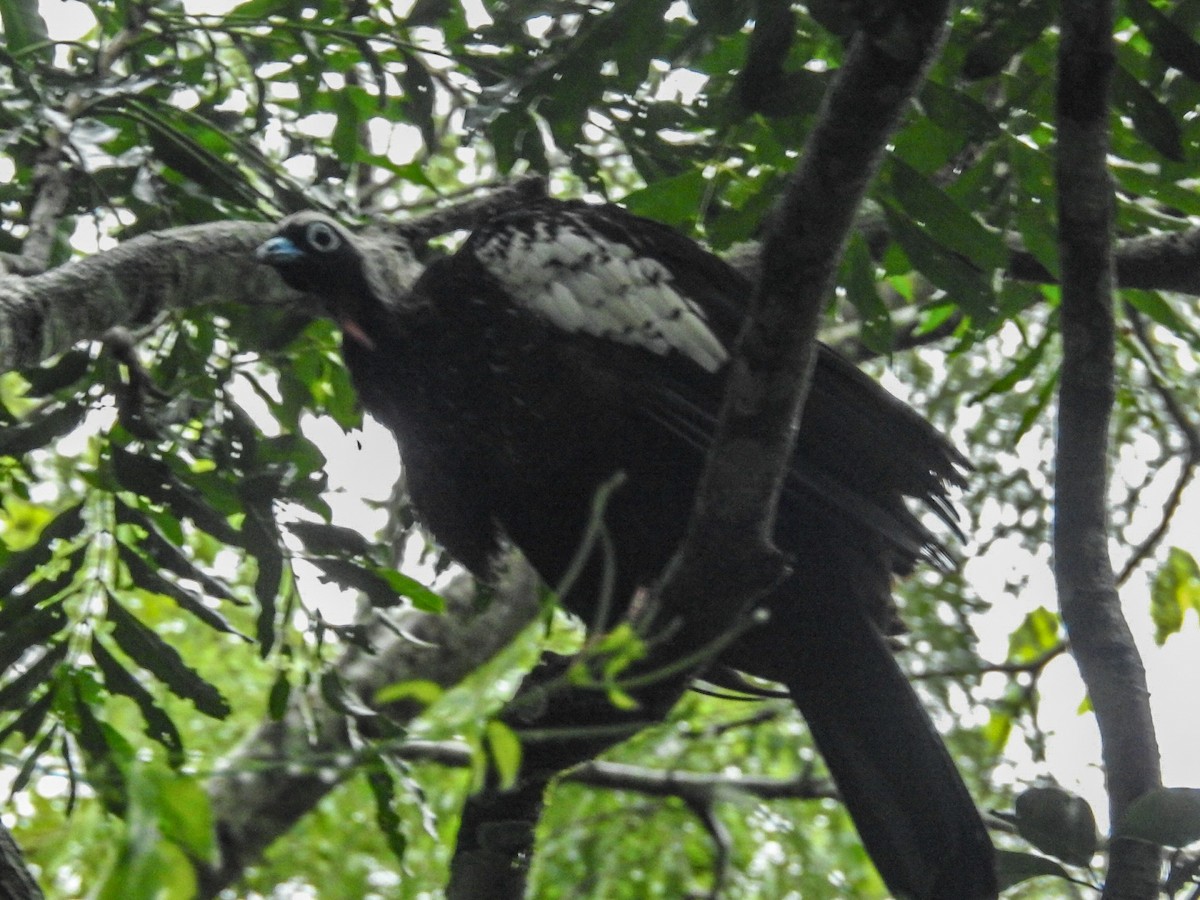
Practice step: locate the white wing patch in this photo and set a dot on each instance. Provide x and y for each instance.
(585, 283)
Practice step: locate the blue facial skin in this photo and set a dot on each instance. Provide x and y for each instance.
(278, 249)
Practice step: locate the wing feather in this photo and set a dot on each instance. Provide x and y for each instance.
(587, 282)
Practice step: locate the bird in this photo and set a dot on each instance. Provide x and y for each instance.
(566, 341)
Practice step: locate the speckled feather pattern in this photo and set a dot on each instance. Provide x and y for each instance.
(584, 282)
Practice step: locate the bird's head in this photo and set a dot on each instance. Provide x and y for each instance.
(360, 279)
(312, 253)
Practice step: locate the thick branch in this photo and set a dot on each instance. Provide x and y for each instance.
(44, 314)
(1100, 638)
(1153, 262)
(728, 539)
(130, 285)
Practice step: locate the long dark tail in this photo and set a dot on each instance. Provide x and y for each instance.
(911, 808)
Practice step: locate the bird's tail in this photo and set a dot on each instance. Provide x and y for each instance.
(911, 808)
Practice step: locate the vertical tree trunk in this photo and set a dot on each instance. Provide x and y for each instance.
(1091, 608)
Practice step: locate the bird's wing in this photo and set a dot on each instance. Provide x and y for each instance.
(601, 271)
(581, 268)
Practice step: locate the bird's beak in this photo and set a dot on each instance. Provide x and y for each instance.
(355, 332)
(277, 250)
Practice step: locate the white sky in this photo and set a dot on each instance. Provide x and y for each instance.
(1073, 749)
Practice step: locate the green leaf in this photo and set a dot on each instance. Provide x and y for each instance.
(151, 478)
(1157, 186)
(184, 814)
(262, 540)
(31, 630)
(513, 134)
(1169, 817)
(20, 565)
(1152, 304)
(406, 586)
(354, 576)
(675, 201)
(147, 867)
(383, 790)
(17, 607)
(1152, 119)
(1022, 368)
(1033, 200)
(42, 428)
(504, 747)
(1171, 44)
(341, 699)
(1006, 30)
(330, 540)
(277, 700)
(148, 579)
(858, 277)
(633, 33)
(426, 693)
(261, 9)
(1175, 590)
(1013, 867)
(63, 372)
(29, 764)
(1039, 405)
(419, 96)
(944, 220)
(38, 673)
(167, 554)
(31, 718)
(1058, 823)
(1039, 632)
(344, 139)
(152, 653)
(966, 286)
(109, 755)
(159, 725)
(24, 28)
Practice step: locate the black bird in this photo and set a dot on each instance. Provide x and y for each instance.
(564, 342)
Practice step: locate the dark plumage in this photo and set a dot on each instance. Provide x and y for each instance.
(564, 342)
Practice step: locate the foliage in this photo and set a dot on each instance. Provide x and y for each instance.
(158, 504)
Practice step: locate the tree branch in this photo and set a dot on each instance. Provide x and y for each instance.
(643, 780)
(1156, 262)
(1091, 609)
(131, 284)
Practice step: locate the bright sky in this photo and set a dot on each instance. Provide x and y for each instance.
(356, 464)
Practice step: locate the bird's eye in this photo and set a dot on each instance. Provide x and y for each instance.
(322, 237)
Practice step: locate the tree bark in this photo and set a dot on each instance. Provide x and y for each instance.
(1091, 608)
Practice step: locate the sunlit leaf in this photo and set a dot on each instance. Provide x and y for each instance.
(504, 748)
(1174, 591)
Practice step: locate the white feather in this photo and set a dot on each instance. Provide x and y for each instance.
(584, 283)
